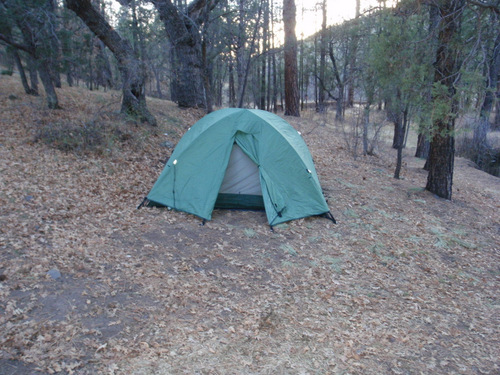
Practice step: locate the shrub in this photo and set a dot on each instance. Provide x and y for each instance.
(88, 137)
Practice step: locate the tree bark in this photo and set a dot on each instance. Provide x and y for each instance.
(292, 98)
(423, 142)
(352, 59)
(132, 71)
(265, 48)
(482, 128)
(34, 33)
(246, 71)
(182, 28)
(322, 60)
(447, 66)
(33, 74)
(339, 115)
(20, 68)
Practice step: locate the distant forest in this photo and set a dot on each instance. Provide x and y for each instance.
(425, 63)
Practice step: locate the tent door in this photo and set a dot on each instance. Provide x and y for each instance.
(240, 187)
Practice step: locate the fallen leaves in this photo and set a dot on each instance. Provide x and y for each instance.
(397, 286)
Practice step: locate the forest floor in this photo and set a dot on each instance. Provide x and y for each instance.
(405, 283)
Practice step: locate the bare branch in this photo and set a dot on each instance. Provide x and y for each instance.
(487, 5)
(15, 45)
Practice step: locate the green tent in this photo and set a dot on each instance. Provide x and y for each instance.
(241, 158)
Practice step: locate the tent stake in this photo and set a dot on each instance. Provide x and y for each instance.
(143, 202)
(329, 216)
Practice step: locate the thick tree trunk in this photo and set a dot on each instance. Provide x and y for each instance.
(442, 147)
(182, 30)
(132, 71)
(48, 85)
(292, 99)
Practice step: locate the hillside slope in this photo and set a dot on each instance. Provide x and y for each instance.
(405, 283)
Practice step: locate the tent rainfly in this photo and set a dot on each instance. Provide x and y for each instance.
(241, 158)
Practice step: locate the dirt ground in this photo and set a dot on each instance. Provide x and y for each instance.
(405, 283)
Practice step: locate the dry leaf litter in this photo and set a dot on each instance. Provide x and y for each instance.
(405, 283)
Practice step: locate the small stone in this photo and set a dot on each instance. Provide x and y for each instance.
(168, 144)
(54, 273)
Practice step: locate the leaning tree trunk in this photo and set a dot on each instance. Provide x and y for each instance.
(41, 66)
(292, 98)
(20, 68)
(132, 70)
(442, 147)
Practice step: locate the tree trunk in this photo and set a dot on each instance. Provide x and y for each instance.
(206, 78)
(482, 128)
(242, 89)
(132, 71)
(104, 76)
(20, 68)
(447, 66)
(322, 60)
(33, 32)
(352, 59)
(265, 48)
(232, 88)
(50, 92)
(402, 124)
(40, 65)
(33, 74)
(17, 59)
(423, 146)
(339, 115)
(292, 99)
(496, 122)
(423, 143)
(182, 27)
(240, 49)
(366, 125)
(274, 98)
